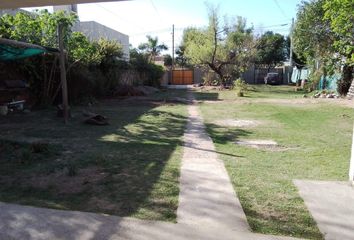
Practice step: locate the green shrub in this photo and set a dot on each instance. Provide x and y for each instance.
(240, 86)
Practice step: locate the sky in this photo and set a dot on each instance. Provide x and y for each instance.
(138, 18)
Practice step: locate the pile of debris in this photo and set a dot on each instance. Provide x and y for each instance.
(326, 95)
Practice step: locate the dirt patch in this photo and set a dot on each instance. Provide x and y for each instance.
(268, 145)
(237, 123)
(290, 102)
(65, 184)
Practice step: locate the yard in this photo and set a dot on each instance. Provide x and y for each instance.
(314, 140)
(128, 168)
(132, 166)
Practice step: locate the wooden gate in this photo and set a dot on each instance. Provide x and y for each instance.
(182, 77)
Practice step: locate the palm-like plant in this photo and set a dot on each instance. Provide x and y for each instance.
(152, 47)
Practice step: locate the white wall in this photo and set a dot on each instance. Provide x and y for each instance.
(95, 31)
(351, 168)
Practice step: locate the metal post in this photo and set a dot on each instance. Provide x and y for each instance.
(351, 167)
(173, 51)
(64, 86)
(291, 43)
(173, 46)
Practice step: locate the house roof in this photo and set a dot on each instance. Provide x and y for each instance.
(38, 3)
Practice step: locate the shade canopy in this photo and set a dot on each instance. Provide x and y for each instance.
(8, 4)
(12, 50)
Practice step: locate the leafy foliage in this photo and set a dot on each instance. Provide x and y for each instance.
(241, 87)
(313, 37)
(37, 28)
(81, 49)
(94, 67)
(271, 50)
(324, 34)
(152, 47)
(340, 15)
(181, 58)
(150, 72)
(167, 60)
(227, 49)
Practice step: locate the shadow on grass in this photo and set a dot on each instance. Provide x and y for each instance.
(206, 96)
(134, 170)
(224, 135)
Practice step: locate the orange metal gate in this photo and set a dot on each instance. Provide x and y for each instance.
(182, 77)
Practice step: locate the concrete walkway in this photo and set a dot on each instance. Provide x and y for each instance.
(331, 205)
(30, 223)
(207, 197)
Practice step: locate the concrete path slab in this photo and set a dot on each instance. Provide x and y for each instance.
(31, 223)
(331, 205)
(207, 197)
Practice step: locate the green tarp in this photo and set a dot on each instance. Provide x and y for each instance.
(12, 50)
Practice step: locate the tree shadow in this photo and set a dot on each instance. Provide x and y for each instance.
(206, 96)
(134, 153)
(223, 135)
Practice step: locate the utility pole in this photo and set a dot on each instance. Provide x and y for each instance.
(291, 47)
(291, 42)
(64, 86)
(173, 51)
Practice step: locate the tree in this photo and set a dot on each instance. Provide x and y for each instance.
(151, 73)
(340, 15)
(109, 50)
(181, 59)
(324, 34)
(80, 49)
(152, 47)
(39, 27)
(313, 37)
(271, 50)
(226, 50)
(167, 60)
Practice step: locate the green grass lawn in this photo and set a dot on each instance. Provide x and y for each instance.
(315, 142)
(128, 168)
(255, 91)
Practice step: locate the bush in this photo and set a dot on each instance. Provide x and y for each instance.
(240, 86)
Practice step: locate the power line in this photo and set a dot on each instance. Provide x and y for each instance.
(163, 30)
(278, 25)
(281, 10)
(155, 8)
(117, 16)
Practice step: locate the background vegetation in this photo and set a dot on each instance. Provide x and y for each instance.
(95, 68)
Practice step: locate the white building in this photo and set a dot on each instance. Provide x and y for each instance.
(94, 30)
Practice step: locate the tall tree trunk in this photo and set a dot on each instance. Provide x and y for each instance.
(346, 80)
(219, 73)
